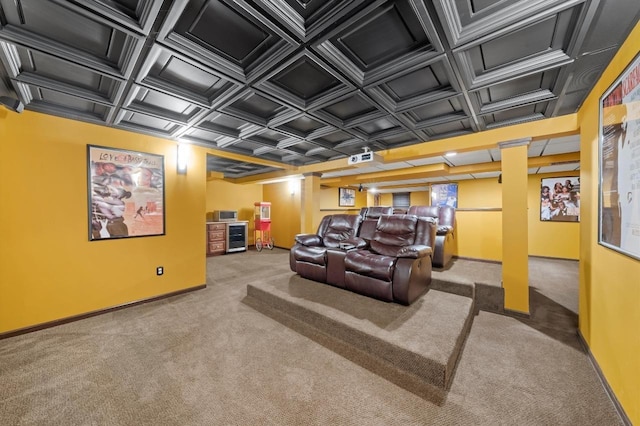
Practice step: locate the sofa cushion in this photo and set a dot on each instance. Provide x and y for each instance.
(393, 233)
(316, 255)
(364, 262)
(339, 229)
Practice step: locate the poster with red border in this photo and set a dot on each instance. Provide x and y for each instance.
(126, 193)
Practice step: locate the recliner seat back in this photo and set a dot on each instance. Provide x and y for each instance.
(392, 233)
(370, 220)
(338, 227)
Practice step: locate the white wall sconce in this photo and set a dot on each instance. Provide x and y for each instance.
(183, 158)
(294, 184)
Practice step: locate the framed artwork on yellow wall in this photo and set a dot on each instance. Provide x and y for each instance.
(560, 199)
(346, 197)
(619, 157)
(445, 194)
(126, 193)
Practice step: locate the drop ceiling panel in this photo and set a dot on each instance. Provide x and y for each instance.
(40, 69)
(562, 145)
(183, 77)
(558, 168)
(83, 38)
(58, 103)
(232, 36)
(381, 40)
(473, 157)
(521, 51)
(160, 105)
(146, 123)
(427, 160)
(305, 81)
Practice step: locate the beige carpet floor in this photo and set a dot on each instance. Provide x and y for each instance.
(206, 358)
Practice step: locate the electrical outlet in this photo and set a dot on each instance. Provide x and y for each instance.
(159, 270)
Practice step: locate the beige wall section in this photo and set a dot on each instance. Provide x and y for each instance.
(285, 213)
(49, 269)
(222, 195)
(550, 239)
(609, 285)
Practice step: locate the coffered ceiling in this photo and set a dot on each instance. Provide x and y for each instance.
(280, 83)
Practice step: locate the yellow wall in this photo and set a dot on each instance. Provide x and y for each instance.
(285, 213)
(48, 267)
(478, 230)
(609, 284)
(550, 239)
(222, 195)
(419, 198)
(329, 201)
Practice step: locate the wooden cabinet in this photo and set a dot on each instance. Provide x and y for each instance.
(216, 238)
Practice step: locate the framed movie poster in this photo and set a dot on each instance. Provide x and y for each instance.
(445, 194)
(126, 193)
(560, 199)
(619, 152)
(346, 197)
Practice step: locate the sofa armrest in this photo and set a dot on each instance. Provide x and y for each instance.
(444, 229)
(414, 251)
(309, 240)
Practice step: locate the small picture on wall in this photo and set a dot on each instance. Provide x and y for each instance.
(126, 193)
(346, 197)
(445, 194)
(560, 199)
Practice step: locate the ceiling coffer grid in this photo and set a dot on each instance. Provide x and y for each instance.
(302, 82)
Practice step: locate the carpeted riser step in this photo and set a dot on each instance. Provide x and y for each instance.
(436, 370)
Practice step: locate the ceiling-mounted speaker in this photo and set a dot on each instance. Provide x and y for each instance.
(12, 104)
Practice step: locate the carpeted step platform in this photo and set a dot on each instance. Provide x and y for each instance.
(423, 340)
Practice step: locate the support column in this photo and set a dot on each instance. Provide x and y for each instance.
(310, 216)
(515, 227)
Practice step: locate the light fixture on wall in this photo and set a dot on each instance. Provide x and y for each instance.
(183, 158)
(360, 188)
(293, 184)
(12, 104)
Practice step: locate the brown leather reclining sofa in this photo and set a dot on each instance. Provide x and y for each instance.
(446, 216)
(393, 265)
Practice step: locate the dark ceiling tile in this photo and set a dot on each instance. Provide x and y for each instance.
(306, 18)
(38, 69)
(305, 81)
(304, 126)
(525, 50)
(52, 28)
(415, 86)
(228, 125)
(349, 110)
(467, 20)
(183, 77)
(381, 40)
(257, 108)
(145, 123)
(435, 113)
(160, 104)
(58, 103)
(230, 35)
